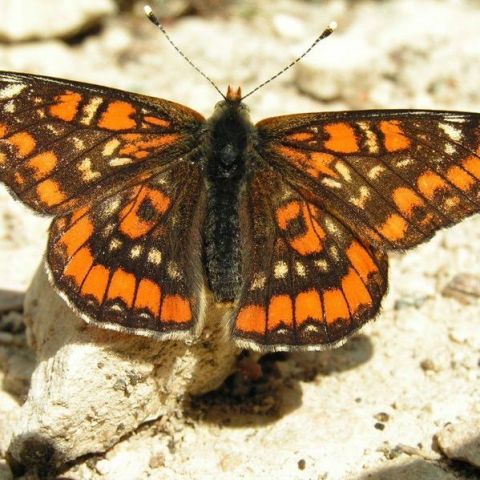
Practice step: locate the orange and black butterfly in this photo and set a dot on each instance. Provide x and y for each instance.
(290, 219)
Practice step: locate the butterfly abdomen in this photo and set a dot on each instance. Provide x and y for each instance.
(224, 173)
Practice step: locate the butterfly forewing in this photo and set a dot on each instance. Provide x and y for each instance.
(395, 177)
(132, 261)
(62, 142)
(309, 280)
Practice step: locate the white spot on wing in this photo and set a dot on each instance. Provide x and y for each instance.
(258, 281)
(334, 252)
(173, 271)
(85, 167)
(344, 171)
(108, 229)
(280, 270)
(136, 251)
(12, 90)
(375, 172)
(456, 119)
(119, 161)
(321, 264)
(364, 194)
(452, 202)
(78, 143)
(371, 138)
(330, 225)
(453, 133)
(450, 149)
(116, 307)
(329, 182)
(404, 163)
(115, 244)
(154, 256)
(52, 129)
(9, 107)
(110, 147)
(300, 269)
(90, 109)
(111, 206)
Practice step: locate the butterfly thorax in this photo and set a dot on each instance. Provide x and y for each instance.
(229, 131)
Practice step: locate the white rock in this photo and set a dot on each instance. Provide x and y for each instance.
(288, 26)
(326, 75)
(27, 19)
(91, 386)
(459, 441)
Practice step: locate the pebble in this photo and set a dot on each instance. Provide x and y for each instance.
(30, 19)
(428, 365)
(382, 417)
(460, 441)
(11, 300)
(459, 335)
(464, 287)
(288, 26)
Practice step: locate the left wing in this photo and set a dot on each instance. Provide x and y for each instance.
(62, 142)
(132, 261)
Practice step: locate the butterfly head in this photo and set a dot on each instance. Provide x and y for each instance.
(234, 95)
(232, 105)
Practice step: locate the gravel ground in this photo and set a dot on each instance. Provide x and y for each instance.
(398, 401)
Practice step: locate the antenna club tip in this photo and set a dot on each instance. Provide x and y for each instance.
(333, 25)
(148, 10)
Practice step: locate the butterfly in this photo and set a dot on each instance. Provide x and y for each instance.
(288, 220)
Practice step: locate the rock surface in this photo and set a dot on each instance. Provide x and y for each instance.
(369, 410)
(461, 441)
(92, 387)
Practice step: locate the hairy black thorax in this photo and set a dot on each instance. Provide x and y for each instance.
(225, 166)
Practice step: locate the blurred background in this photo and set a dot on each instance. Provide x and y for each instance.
(384, 54)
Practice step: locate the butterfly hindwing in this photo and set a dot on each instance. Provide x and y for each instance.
(308, 280)
(395, 177)
(62, 142)
(132, 260)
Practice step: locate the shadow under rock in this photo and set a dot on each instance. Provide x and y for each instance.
(262, 391)
(10, 301)
(459, 463)
(418, 467)
(421, 469)
(17, 361)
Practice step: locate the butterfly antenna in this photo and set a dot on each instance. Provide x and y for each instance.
(326, 33)
(152, 17)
